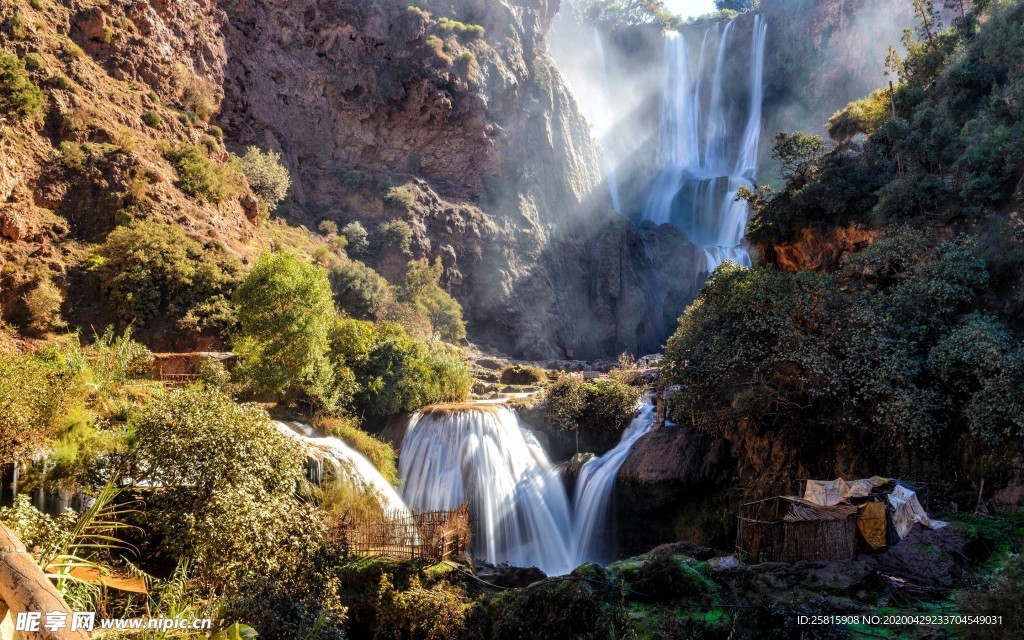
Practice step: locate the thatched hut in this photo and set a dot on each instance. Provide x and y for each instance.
(787, 529)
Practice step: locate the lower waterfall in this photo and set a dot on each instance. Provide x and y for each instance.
(480, 453)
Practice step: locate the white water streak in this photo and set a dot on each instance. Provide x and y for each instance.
(702, 166)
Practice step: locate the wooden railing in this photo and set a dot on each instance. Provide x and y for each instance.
(428, 535)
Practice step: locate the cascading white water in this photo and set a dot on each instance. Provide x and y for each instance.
(480, 453)
(594, 491)
(608, 154)
(346, 462)
(702, 165)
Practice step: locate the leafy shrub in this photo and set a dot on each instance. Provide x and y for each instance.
(395, 234)
(328, 228)
(152, 119)
(360, 291)
(200, 177)
(268, 178)
(396, 373)
(43, 302)
(148, 269)
(228, 478)
(597, 410)
(416, 613)
(358, 239)
(18, 94)
(35, 528)
(422, 290)
(34, 395)
(893, 356)
(523, 374)
(285, 313)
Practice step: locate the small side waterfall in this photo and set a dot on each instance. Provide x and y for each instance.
(607, 153)
(345, 461)
(480, 453)
(594, 491)
(703, 163)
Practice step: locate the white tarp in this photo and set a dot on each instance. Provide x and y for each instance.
(828, 493)
(907, 510)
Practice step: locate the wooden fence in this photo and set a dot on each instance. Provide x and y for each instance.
(424, 535)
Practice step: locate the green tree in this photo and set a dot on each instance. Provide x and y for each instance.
(735, 5)
(395, 373)
(285, 313)
(267, 176)
(358, 239)
(423, 291)
(34, 395)
(227, 479)
(360, 291)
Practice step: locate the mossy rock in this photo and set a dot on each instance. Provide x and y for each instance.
(670, 578)
(584, 605)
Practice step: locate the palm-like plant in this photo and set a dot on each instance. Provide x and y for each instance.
(81, 551)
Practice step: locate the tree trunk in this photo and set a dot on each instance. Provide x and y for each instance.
(25, 588)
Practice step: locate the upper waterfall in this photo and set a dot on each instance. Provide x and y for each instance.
(703, 160)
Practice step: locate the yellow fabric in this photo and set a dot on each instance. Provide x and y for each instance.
(871, 524)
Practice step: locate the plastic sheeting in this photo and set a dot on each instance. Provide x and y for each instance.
(831, 492)
(907, 510)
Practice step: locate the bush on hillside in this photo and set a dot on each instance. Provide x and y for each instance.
(268, 178)
(357, 238)
(202, 178)
(149, 269)
(18, 94)
(422, 291)
(43, 302)
(359, 291)
(394, 235)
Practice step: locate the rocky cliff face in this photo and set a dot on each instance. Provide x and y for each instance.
(471, 136)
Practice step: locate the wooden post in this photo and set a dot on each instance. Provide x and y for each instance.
(25, 588)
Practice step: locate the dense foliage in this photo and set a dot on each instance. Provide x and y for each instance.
(285, 312)
(34, 394)
(891, 351)
(396, 373)
(597, 410)
(228, 479)
(422, 291)
(268, 178)
(149, 270)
